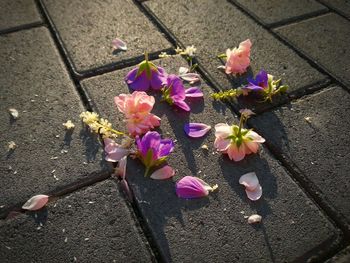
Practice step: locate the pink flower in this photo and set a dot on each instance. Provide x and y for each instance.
(191, 187)
(236, 141)
(137, 109)
(238, 59)
(36, 202)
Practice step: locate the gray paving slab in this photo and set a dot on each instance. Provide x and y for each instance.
(341, 6)
(221, 25)
(316, 38)
(342, 257)
(14, 13)
(214, 229)
(272, 12)
(90, 225)
(87, 29)
(34, 81)
(317, 145)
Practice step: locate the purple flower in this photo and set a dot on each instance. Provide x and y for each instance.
(196, 130)
(191, 187)
(259, 83)
(145, 76)
(152, 150)
(174, 92)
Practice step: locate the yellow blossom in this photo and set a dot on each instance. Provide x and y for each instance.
(69, 125)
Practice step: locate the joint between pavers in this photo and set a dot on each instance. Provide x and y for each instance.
(22, 27)
(337, 11)
(91, 179)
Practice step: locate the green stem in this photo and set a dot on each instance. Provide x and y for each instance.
(147, 171)
(241, 121)
(146, 56)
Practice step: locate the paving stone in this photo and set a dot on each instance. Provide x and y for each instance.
(271, 12)
(96, 24)
(315, 37)
(342, 257)
(342, 6)
(221, 25)
(34, 81)
(214, 229)
(91, 225)
(14, 13)
(318, 145)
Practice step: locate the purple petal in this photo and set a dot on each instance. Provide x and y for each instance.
(191, 187)
(163, 173)
(165, 148)
(196, 130)
(190, 77)
(150, 140)
(158, 78)
(194, 92)
(183, 105)
(139, 83)
(177, 91)
(119, 44)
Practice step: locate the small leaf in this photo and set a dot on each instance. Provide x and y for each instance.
(36, 202)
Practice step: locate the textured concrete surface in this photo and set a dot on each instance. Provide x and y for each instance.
(34, 81)
(220, 26)
(214, 229)
(96, 24)
(341, 6)
(315, 37)
(271, 12)
(90, 225)
(14, 13)
(318, 145)
(342, 257)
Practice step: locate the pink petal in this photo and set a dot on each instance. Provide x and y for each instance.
(183, 105)
(114, 152)
(196, 130)
(255, 137)
(190, 77)
(250, 181)
(192, 187)
(256, 194)
(194, 92)
(126, 189)
(222, 130)
(119, 44)
(163, 173)
(36, 202)
(235, 153)
(121, 169)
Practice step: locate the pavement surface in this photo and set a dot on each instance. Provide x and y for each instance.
(57, 61)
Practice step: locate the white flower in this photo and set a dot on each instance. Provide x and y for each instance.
(69, 125)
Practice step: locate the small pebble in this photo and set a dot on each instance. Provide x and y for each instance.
(66, 240)
(253, 219)
(13, 113)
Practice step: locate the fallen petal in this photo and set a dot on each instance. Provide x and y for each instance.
(163, 173)
(255, 194)
(121, 169)
(36, 202)
(192, 187)
(196, 130)
(253, 219)
(194, 92)
(119, 44)
(190, 77)
(183, 70)
(13, 113)
(126, 189)
(250, 181)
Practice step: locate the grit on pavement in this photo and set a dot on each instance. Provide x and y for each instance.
(57, 61)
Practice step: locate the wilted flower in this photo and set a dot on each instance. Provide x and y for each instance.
(235, 140)
(145, 76)
(191, 187)
(174, 92)
(238, 59)
(152, 150)
(137, 109)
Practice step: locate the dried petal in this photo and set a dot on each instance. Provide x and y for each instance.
(121, 169)
(163, 173)
(119, 44)
(36, 202)
(190, 77)
(14, 113)
(196, 130)
(183, 70)
(253, 219)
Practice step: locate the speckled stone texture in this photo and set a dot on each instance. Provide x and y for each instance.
(342, 257)
(34, 81)
(221, 25)
(271, 12)
(90, 225)
(215, 229)
(341, 6)
(316, 37)
(15, 13)
(313, 134)
(96, 24)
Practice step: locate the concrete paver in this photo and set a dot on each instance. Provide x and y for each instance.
(214, 229)
(317, 145)
(220, 26)
(316, 37)
(271, 12)
(90, 225)
(34, 81)
(14, 13)
(342, 257)
(341, 6)
(96, 24)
